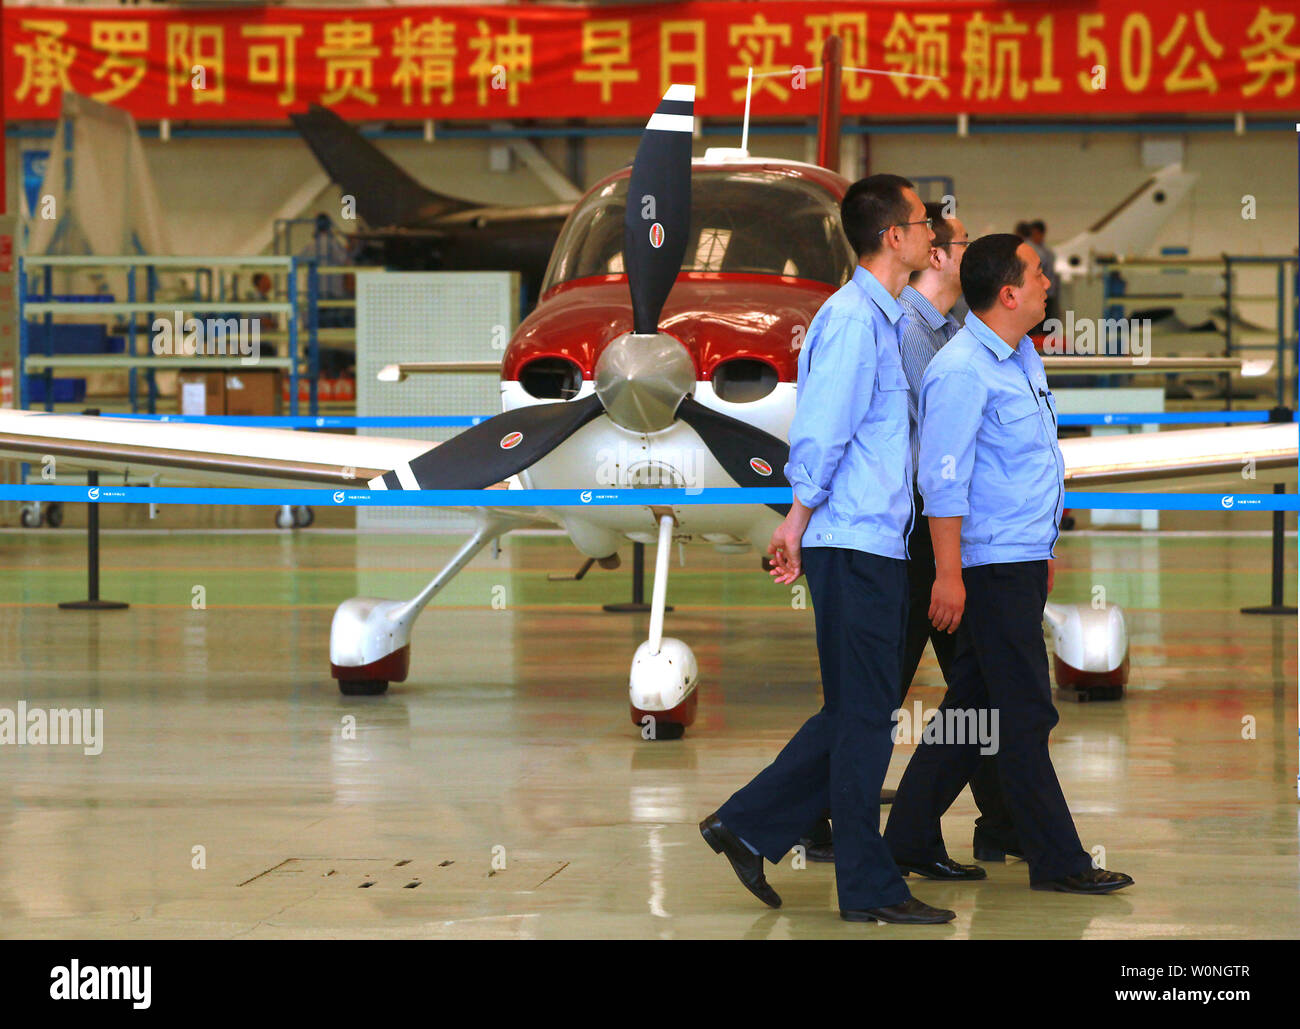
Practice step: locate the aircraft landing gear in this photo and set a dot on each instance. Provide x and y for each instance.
(370, 639)
(363, 687)
(665, 674)
(288, 517)
(33, 514)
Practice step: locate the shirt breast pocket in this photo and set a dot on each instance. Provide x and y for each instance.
(1019, 427)
(891, 400)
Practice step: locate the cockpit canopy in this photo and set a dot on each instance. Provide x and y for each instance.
(751, 221)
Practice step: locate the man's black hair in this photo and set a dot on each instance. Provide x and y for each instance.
(943, 231)
(990, 263)
(942, 227)
(871, 205)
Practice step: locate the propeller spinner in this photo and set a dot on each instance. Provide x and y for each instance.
(643, 378)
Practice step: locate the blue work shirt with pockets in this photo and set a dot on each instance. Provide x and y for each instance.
(850, 459)
(988, 447)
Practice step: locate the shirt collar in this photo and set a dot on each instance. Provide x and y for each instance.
(1000, 348)
(880, 296)
(921, 303)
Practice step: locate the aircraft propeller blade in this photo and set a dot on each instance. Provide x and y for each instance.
(658, 215)
(498, 448)
(748, 454)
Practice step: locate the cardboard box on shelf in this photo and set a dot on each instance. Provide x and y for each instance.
(201, 393)
(253, 392)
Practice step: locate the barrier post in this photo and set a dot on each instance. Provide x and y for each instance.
(92, 601)
(1276, 606)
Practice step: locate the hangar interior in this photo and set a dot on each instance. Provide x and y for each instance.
(501, 789)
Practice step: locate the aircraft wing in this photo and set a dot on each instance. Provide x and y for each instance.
(204, 454)
(220, 455)
(1249, 368)
(1092, 461)
(215, 455)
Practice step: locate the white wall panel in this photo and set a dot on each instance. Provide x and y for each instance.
(430, 316)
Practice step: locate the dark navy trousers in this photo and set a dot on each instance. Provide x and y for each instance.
(839, 758)
(994, 819)
(999, 664)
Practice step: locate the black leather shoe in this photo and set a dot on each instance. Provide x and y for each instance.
(946, 869)
(987, 850)
(747, 865)
(822, 852)
(1094, 880)
(910, 912)
(819, 844)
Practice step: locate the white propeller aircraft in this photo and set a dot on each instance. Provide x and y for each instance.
(690, 384)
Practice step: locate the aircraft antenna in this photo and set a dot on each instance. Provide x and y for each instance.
(744, 129)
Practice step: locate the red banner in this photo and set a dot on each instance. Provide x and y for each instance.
(1079, 57)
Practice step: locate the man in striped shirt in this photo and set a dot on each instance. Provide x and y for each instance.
(927, 324)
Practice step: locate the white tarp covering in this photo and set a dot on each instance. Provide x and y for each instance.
(103, 195)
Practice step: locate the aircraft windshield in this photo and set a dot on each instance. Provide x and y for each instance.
(757, 222)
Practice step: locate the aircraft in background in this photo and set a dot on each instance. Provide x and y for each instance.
(1128, 228)
(409, 227)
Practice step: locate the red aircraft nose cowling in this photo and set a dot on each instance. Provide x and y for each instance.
(717, 317)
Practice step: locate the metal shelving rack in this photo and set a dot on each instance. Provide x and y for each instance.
(133, 360)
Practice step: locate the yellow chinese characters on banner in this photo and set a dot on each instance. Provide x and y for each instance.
(918, 59)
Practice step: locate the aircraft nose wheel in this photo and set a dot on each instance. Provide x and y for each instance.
(666, 725)
(665, 675)
(362, 687)
(32, 515)
(289, 517)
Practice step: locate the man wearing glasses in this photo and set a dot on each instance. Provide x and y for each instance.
(927, 324)
(851, 471)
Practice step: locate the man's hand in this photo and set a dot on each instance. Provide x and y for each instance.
(1051, 574)
(785, 549)
(948, 597)
(947, 602)
(786, 552)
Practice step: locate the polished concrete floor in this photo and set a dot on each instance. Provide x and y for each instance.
(503, 790)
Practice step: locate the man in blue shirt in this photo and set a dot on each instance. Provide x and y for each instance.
(992, 476)
(850, 469)
(927, 324)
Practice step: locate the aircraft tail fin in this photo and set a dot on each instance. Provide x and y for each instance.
(1128, 228)
(385, 194)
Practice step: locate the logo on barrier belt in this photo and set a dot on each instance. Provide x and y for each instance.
(1226, 502)
(93, 493)
(339, 496)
